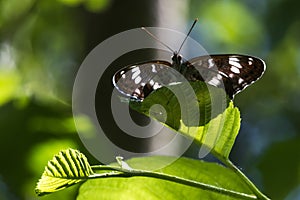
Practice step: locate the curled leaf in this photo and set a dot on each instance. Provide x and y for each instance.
(207, 116)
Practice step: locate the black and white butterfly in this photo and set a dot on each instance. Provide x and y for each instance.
(232, 72)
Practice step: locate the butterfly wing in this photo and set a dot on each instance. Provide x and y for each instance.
(231, 71)
(139, 80)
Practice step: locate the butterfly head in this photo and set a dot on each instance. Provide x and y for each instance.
(177, 58)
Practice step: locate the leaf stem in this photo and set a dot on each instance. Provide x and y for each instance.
(204, 186)
(238, 172)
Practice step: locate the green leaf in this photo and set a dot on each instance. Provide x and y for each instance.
(139, 187)
(220, 133)
(207, 116)
(189, 102)
(65, 169)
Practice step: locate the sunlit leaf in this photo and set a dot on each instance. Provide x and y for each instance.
(153, 189)
(220, 133)
(65, 169)
(216, 129)
(39, 154)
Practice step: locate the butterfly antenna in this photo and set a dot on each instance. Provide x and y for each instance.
(188, 34)
(155, 38)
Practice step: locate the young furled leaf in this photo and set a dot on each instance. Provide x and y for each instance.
(65, 169)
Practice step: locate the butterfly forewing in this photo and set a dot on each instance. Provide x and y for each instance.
(138, 80)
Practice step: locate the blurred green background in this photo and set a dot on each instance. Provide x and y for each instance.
(43, 42)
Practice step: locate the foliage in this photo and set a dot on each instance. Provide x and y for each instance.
(217, 130)
(67, 168)
(186, 177)
(42, 43)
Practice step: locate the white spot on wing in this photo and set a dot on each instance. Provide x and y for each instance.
(235, 63)
(240, 81)
(134, 68)
(235, 69)
(211, 63)
(136, 71)
(156, 86)
(214, 81)
(153, 68)
(137, 91)
(137, 80)
(233, 59)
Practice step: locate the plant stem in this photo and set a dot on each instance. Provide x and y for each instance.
(236, 170)
(135, 172)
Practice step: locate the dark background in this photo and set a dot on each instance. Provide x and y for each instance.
(42, 44)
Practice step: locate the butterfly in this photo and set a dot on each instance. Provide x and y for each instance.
(233, 72)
